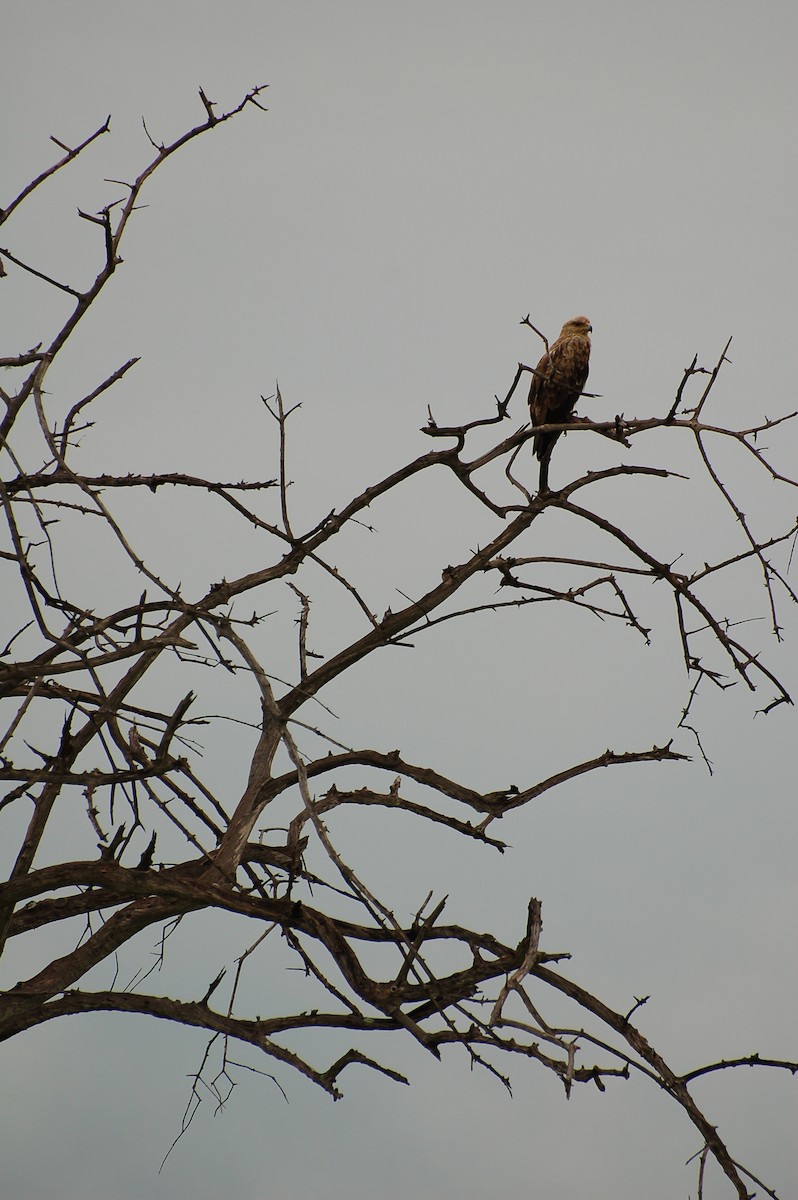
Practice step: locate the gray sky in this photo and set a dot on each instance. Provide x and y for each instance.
(427, 174)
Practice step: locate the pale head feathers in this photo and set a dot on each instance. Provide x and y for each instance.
(576, 327)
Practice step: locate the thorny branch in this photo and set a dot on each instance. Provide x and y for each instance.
(78, 675)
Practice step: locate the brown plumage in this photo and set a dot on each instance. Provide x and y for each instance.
(557, 384)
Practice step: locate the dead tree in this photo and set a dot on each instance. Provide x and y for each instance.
(97, 712)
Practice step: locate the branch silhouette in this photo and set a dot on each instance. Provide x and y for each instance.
(101, 707)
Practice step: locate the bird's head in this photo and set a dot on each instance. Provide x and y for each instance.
(577, 327)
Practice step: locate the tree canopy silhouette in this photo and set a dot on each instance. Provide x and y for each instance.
(115, 824)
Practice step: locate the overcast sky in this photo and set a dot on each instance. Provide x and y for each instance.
(429, 173)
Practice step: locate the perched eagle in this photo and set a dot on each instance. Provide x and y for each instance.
(557, 384)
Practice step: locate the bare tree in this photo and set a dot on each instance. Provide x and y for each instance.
(92, 715)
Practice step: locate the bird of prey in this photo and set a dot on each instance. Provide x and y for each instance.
(557, 384)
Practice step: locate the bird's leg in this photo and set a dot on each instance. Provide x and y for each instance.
(543, 484)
